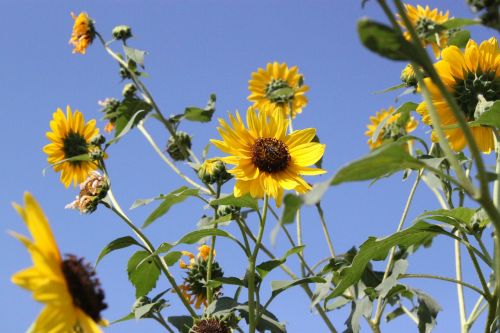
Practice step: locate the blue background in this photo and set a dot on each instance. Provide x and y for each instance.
(197, 48)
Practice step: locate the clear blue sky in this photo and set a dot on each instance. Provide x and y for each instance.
(197, 48)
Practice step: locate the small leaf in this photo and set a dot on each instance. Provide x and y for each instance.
(143, 310)
(142, 272)
(135, 54)
(386, 286)
(117, 244)
(232, 280)
(222, 305)
(396, 87)
(458, 23)
(267, 266)
(202, 115)
(292, 204)
(243, 201)
(385, 160)
(459, 39)
(490, 117)
(122, 130)
(267, 322)
(384, 40)
(195, 236)
(82, 157)
(124, 318)
(394, 314)
(406, 107)
(182, 323)
(169, 200)
(279, 286)
(172, 258)
(222, 219)
(427, 312)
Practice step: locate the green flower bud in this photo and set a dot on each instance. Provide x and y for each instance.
(129, 90)
(408, 76)
(184, 140)
(213, 170)
(122, 32)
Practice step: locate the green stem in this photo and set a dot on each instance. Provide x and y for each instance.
(115, 207)
(325, 229)
(381, 305)
(172, 166)
(460, 288)
(442, 278)
(212, 249)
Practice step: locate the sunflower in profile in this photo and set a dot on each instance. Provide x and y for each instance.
(194, 288)
(276, 88)
(83, 32)
(393, 127)
(425, 20)
(268, 160)
(467, 74)
(70, 137)
(68, 287)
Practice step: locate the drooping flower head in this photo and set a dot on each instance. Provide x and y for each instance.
(277, 87)
(466, 74)
(70, 137)
(268, 160)
(92, 191)
(68, 287)
(194, 288)
(393, 126)
(425, 20)
(83, 32)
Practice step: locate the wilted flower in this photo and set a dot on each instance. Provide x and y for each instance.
(83, 32)
(92, 191)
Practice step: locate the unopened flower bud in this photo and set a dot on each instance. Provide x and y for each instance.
(122, 32)
(408, 76)
(129, 90)
(98, 140)
(213, 170)
(173, 149)
(227, 209)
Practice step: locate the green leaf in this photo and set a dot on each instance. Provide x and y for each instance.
(143, 310)
(406, 107)
(384, 40)
(243, 201)
(490, 117)
(222, 305)
(458, 23)
(195, 236)
(459, 39)
(182, 323)
(362, 308)
(142, 272)
(231, 280)
(169, 200)
(124, 318)
(82, 157)
(222, 219)
(120, 131)
(396, 87)
(117, 244)
(292, 204)
(135, 54)
(267, 266)
(172, 258)
(394, 314)
(127, 109)
(378, 249)
(380, 162)
(202, 115)
(386, 286)
(279, 286)
(456, 217)
(267, 322)
(427, 312)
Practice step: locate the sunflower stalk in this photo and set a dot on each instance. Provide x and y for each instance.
(210, 293)
(115, 207)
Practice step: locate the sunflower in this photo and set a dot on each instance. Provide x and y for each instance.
(83, 32)
(277, 87)
(194, 287)
(68, 287)
(393, 126)
(467, 74)
(268, 160)
(70, 137)
(425, 20)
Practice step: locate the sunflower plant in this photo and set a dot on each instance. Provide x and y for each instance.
(264, 170)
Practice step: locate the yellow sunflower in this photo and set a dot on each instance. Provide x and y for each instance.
(268, 160)
(466, 74)
(424, 20)
(68, 287)
(277, 87)
(83, 32)
(70, 137)
(392, 128)
(194, 288)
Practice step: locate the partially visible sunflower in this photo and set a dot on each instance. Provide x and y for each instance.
(70, 137)
(194, 288)
(268, 160)
(277, 87)
(68, 287)
(393, 127)
(466, 74)
(424, 20)
(83, 33)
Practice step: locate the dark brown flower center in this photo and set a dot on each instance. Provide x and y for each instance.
(84, 286)
(270, 155)
(210, 325)
(73, 145)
